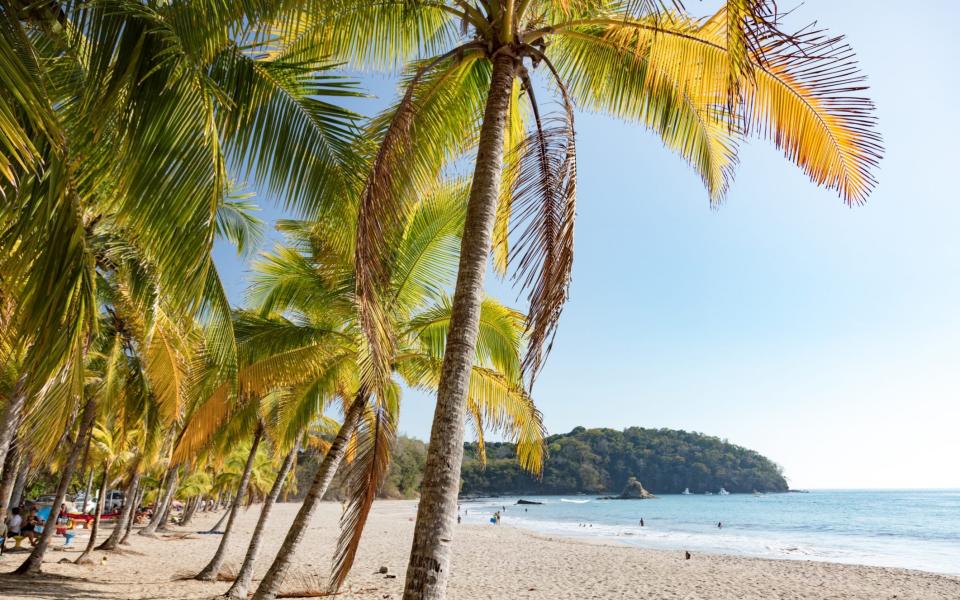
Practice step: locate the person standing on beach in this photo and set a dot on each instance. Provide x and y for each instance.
(641, 521)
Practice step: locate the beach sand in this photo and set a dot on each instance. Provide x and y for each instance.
(489, 562)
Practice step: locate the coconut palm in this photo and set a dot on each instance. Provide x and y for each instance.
(195, 487)
(701, 84)
(116, 382)
(244, 472)
(135, 367)
(136, 113)
(307, 339)
(111, 447)
(315, 437)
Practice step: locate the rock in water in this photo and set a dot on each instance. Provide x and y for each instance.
(634, 491)
(522, 501)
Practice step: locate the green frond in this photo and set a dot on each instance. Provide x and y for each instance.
(237, 223)
(499, 337)
(426, 257)
(167, 358)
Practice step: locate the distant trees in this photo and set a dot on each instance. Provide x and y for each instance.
(402, 480)
(601, 460)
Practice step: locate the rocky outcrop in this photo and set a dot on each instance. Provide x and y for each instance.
(522, 501)
(634, 490)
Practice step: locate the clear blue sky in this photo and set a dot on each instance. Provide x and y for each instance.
(826, 337)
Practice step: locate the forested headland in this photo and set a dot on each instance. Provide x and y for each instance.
(593, 461)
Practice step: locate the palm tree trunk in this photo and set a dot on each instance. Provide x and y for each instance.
(9, 422)
(165, 517)
(21, 483)
(164, 496)
(128, 504)
(217, 528)
(210, 572)
(11, 469)
(83, 469)
(270, 585)
(429, 567)
(85, 557)
(190, 511)
(35, 560)
(129, 521)
(86, 491)
(242, 583)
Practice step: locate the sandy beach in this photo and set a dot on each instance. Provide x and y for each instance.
(489, 563)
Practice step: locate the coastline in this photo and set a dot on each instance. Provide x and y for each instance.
(909, 530)
(490, 562)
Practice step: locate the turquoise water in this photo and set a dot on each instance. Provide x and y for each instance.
(915, 529)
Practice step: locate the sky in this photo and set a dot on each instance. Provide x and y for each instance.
(823, 336)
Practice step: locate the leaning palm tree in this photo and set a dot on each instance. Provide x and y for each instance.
(139, 113)
(307, 339)
(238, 475)
(111, 448)
(315, 437)
(701, 84)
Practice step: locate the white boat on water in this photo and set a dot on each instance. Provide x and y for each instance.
(724, 492)
(708, 493)
(685, 492)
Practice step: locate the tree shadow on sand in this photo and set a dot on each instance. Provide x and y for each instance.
(46, 585)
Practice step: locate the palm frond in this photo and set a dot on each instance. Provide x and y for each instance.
(383, 211)
(237, 224)
(544, 198)
(375, 439)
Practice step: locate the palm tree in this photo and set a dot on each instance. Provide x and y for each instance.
(317, 352)
(701, 84)
(241, 584)
(196, 487)
(110, 448)
(210, 572)
(136, 114)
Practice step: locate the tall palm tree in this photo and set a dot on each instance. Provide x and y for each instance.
(701, 84)
(242, 477)
(307, 339)
(138, 113)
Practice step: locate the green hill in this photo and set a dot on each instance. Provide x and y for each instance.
(594, 461)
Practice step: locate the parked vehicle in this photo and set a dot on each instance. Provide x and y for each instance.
(86, 506)
(114, 501)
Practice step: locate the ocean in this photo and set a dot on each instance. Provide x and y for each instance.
(913, 529)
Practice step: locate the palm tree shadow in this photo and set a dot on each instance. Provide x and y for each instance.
(45, 585)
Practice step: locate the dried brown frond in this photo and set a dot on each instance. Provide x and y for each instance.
(228, 573)
(375, 438)
(544, 198)
(382, 214)
(305, 584)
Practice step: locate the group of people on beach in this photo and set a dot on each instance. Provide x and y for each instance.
(25, 522)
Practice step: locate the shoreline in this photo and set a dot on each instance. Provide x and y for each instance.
(489, 562)
(772, 527)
